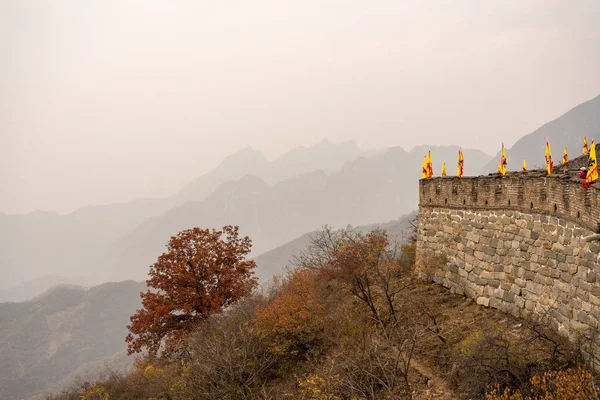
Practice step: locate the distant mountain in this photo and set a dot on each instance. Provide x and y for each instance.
(323, 156)
(274, 262)
(24, 291)
(567, 130)
(43, 243)
(379, 188)
(44, 340)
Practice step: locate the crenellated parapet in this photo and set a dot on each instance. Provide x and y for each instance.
(532, 192)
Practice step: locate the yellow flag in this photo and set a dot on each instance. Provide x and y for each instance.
(502, 163)
(461, 164)
(549, 162)
(429, 165)
(444, 168)
(585, 146)
(424, 173)
(592, 173)
(524, 165)
(565, 157)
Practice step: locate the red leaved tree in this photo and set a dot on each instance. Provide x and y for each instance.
(201, 273)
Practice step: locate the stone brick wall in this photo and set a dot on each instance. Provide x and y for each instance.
(515, 243)
(533, 192)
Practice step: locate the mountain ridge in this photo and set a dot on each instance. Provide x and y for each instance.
(362, 191)
(38, 243)
(567, 130)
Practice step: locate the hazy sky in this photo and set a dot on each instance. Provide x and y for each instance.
(107, 101)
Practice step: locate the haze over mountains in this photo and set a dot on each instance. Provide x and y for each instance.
(272, 201)
(45, 243)
(381, 188)
(279, 201)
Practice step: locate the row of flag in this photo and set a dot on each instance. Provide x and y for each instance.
(427, 168)
(591, 175)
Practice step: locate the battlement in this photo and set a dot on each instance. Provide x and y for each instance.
(531, 192)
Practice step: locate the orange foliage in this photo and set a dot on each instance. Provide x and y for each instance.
(295, 320)
(201, 273)
(357, 257)
(552, 385)
(368, 265)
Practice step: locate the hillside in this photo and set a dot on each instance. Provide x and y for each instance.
(444, 346)
(44, 340)
(567, 130)
(82, 332)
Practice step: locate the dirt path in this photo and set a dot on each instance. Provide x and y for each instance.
(434, 387)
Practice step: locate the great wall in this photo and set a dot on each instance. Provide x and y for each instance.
(525, 243)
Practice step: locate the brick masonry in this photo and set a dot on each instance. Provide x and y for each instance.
(515, 243)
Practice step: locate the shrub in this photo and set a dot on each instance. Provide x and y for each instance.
(294, 322)
(552, 385)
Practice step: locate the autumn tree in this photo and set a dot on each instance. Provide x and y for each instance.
(294, 322)
(200, 274)
(368, 265)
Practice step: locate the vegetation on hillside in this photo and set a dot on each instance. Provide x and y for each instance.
(350, 321)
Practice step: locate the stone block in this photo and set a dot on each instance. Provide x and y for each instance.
(583, 317)
(494, 283)
(495, 303)
(520, 302)
(529, 305)
(573, 268)
(558, 247)
(533, 287)
(508, 297)
(516, 289)
(483, 301)
(473, 237)
(489, 250)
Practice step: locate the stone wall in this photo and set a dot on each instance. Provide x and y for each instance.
(515, 243)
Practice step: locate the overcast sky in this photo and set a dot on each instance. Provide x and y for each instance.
(107, 101)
